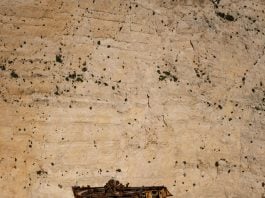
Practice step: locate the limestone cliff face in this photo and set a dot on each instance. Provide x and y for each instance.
(149, 92)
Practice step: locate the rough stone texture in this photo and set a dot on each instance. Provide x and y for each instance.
(148, 92)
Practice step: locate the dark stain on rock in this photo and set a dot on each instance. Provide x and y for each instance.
(2, 67)
(259, 108)
(161, 77)
(57, 91)
(72, 76)
(216, 164)
(227, 17)
(41, 172)
(79, 79)
(167, 75)
(75, 77)
(216, 3)
(59, 58)
(243, 80)
(14, 74)
(201, 73)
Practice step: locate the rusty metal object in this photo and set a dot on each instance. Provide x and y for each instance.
(114, 188)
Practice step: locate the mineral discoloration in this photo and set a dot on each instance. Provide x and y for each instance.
(149, 92)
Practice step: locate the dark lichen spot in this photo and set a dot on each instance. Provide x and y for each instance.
(118, 170)
(162, 77)
(2, 67)
(58, 58)
(79, 79)
(216, 164)
(41, 172)
(73, 76)
(216, 3)
(14, 74)
(166, 73)
(175, 78)
(227, 17)
(57, 91)
(243, 80)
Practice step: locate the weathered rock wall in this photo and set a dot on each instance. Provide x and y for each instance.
(148, 92)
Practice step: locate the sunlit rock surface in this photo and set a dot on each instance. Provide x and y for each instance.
(148, 92)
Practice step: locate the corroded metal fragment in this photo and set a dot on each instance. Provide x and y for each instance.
(114, 188)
